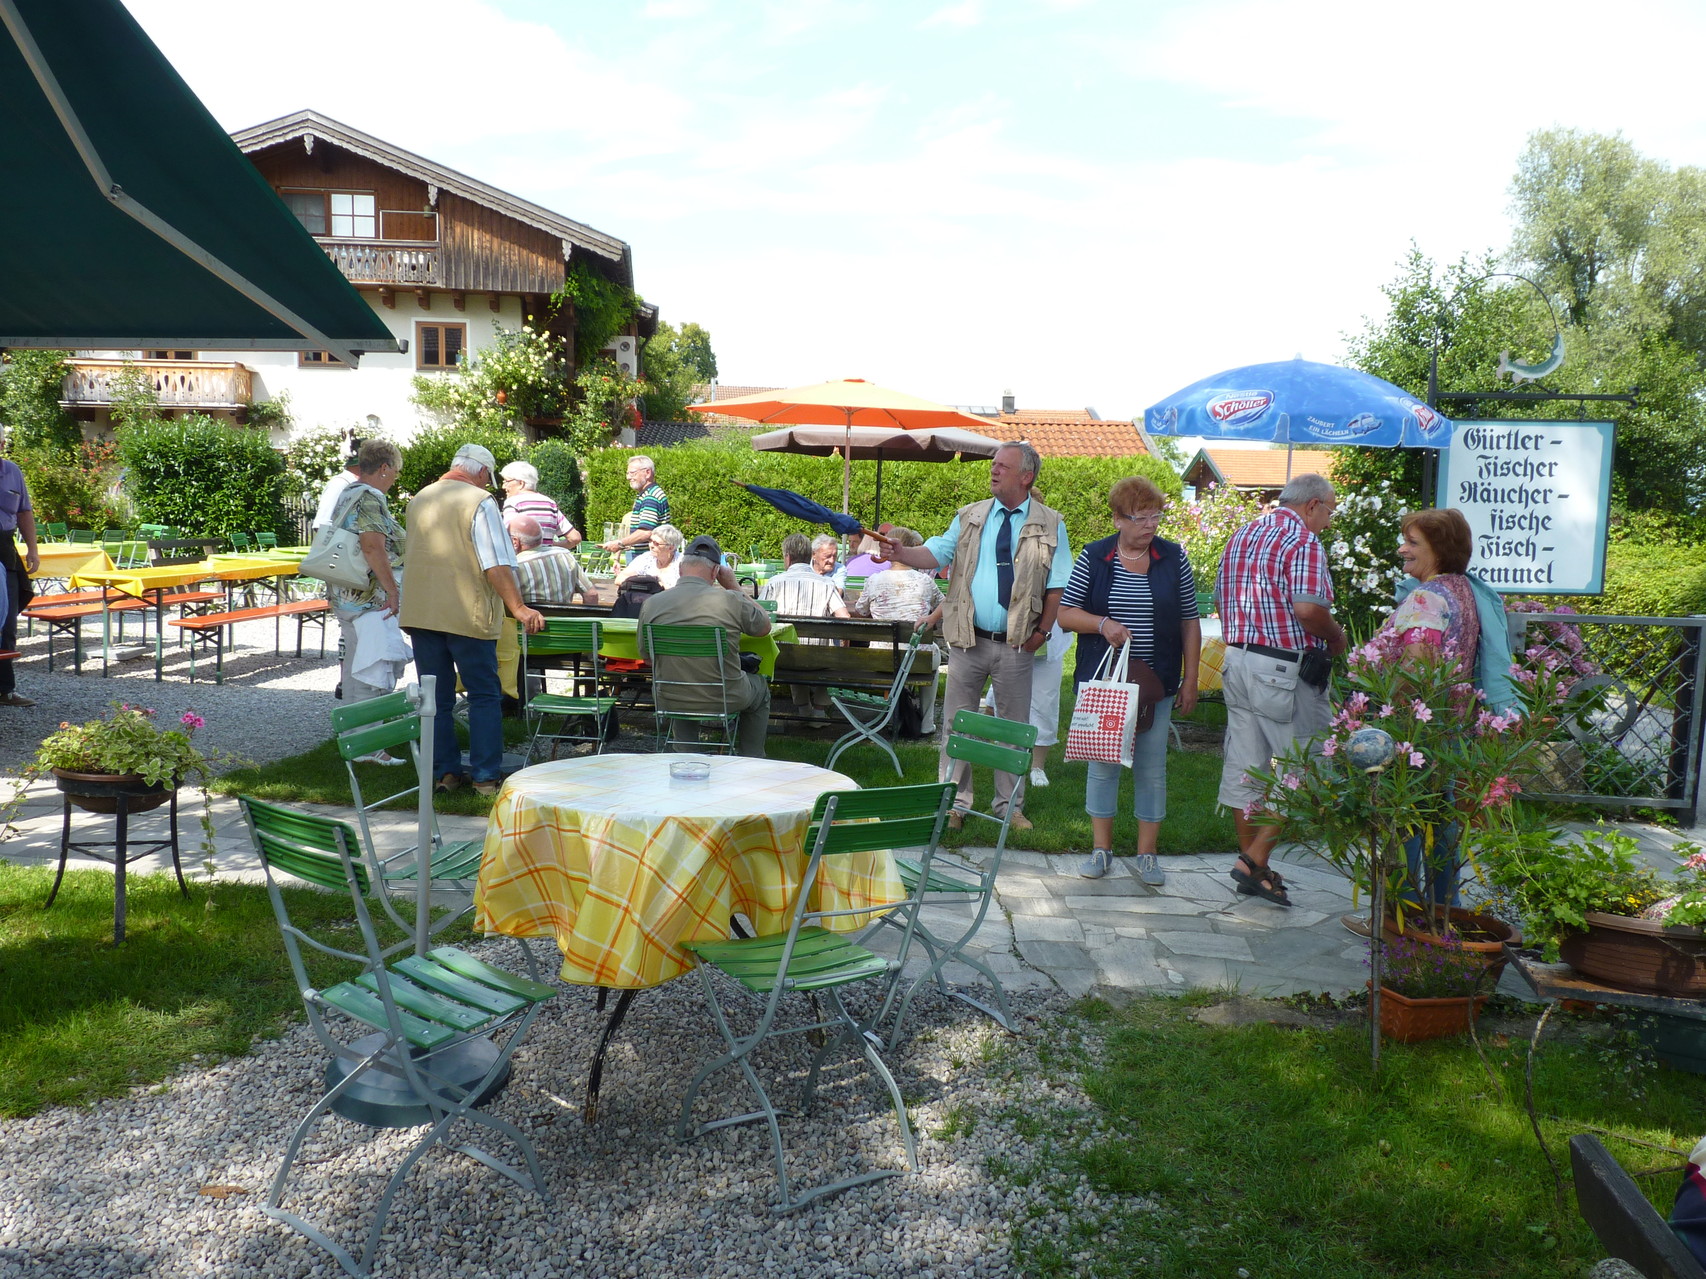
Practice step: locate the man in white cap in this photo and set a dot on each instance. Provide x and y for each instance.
(460, 572)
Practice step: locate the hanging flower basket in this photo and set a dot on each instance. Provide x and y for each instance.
(1643, 955)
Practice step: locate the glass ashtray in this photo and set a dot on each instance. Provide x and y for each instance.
(690, 770)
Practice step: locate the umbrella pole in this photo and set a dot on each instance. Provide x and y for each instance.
(847, 468)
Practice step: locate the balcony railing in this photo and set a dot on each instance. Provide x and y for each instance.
(179, 384)
(366, 263)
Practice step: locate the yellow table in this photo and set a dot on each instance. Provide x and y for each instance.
(621, 639)
(62, 559)
(621, 864)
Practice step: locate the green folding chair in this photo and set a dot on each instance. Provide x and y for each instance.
(988, 742)
(266, 541)
(769, 606)
(872, 714)
(813, 960)
(392, 723)
(81, 535)
(679, 700)
(444, 1023)
(580, 639)
(56, 532)
(239, 541)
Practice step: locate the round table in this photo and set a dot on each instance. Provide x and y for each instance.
(621, 863)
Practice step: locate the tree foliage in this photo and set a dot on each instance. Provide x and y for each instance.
(601, 309)
(676, 361)
(200, 473)
(31, 383)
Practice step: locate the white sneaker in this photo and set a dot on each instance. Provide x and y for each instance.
(1098, 863)
(378, 757)
(1038, 777)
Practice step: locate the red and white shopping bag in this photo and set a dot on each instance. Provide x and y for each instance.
(1104, 718)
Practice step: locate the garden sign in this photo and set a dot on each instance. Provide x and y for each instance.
(1536, 495)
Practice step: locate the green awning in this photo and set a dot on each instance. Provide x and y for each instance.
(131, 220)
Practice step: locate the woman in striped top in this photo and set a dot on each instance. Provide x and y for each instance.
(1136, 588)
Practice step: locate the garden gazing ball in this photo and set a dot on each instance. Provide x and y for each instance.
(1370, 749)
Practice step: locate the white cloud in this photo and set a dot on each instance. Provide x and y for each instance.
(967, 13)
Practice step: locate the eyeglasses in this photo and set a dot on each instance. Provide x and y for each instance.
(1149, 519)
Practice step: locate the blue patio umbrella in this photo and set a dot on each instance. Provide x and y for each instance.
(791, 503)
(1300, 402)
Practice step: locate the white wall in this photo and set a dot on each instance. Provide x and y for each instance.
(341, 397)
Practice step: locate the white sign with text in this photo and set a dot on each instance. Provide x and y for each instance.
(1536, 495)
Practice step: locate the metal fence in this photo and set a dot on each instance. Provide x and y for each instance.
(1632, 732)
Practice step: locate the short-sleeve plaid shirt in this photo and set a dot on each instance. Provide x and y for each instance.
(1269, 565)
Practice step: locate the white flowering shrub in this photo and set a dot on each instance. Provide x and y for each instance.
(1204, 527)
(1362, 554)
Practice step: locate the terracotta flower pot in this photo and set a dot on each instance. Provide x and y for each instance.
(1410, 1021)
(99, 792)
(1483, 936)
(1639, 954)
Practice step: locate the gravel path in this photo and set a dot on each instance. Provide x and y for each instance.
(269, 707)
(113, 1190)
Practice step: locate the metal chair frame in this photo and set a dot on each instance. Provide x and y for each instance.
(870, 714)
(423, 1009)
(978, 740)
(813, 960)
(566, 637)
(691, 641)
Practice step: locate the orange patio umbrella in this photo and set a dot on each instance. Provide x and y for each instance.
(847, 403)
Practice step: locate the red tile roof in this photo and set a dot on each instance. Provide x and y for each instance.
(1256, 468)
(1069, 433)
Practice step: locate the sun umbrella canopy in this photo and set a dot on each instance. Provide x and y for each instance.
(133, 220)
(847, 402)
(1300, 402)
(930, 444)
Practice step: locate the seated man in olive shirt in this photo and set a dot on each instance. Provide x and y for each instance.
(708, 594)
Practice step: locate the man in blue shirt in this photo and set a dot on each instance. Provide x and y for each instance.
(1011, 564)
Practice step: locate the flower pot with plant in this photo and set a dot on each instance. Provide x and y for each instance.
(1429, 990)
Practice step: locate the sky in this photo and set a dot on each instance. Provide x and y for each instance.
(1083, 202)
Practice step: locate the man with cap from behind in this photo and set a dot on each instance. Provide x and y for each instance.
(460, 571)
(708, 595)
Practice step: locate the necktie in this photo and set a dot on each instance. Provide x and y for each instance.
(1004, 558)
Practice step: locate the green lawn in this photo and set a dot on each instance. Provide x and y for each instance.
(1271, 1151)
(81, 1020)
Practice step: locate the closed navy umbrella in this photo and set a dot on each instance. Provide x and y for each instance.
(791, 503)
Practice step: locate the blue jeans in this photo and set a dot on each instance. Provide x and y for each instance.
(1148, 773)
(446, 656)
(1447, 868)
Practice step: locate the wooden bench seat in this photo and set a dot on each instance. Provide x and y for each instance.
(64, 615)
(211, 628)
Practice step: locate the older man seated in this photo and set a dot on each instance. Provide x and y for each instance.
(548, 574)
(801, 590)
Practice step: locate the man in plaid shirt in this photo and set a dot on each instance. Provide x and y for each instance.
(1275, 598)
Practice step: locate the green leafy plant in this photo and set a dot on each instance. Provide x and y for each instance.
(31, 383)
(1554, 882)
(1205, 526)
(313, 458)
(77, 488)
(522, 374)
(606, 395)
(560, 478)
(1429, 970)
(602, 308)
(202, 474)
(428, 456)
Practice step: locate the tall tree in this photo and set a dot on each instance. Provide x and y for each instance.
(676, 361)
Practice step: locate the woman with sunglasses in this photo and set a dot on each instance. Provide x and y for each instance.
(1135, 588)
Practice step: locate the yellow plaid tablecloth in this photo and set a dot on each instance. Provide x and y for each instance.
(621, 864)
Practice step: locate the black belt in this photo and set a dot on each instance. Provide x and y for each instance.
(1000, 636)
(1287, 654)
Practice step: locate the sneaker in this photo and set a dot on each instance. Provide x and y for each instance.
(1098, 863)
(488, 789)
(1149, 870)
(1356, 924)
(384, 758)
(1038, 777)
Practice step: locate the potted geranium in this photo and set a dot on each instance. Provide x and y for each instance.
(128, 752)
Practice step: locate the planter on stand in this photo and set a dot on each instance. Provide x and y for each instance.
(119, 795)
(1640, 954)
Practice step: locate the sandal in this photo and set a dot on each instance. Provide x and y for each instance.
(1260, 881)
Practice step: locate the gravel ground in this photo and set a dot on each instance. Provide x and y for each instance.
(113, 1190)
(269, 706)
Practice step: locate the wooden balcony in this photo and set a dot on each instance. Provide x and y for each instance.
(180, 384)
(374, 262)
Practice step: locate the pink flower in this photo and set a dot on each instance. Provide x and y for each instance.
(1357, 703)
(1330, 747)
(1388, 711)
(193, 720)
(1422, 710)
(1695, 862)
(1501, 790)
(1292, 781)
(1251, 809)
(1416, 760)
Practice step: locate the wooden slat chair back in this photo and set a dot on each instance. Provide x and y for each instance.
(1624, 1221)
(984, 741)
(669, 683)
(391, 723)
(870, 715)
(585, 702)
(810, 959)
(445, 1023)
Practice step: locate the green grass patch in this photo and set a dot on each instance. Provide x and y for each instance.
(1273, 1151)
(81, 1019)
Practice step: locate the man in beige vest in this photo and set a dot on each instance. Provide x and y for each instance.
(1011, 563)
(460, 571)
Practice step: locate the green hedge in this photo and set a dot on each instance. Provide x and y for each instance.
(1650, 581)
(429, 454)
(921, 495)
(201, 475)
(560, 478)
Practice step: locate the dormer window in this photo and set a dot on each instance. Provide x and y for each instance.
(350, 215)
